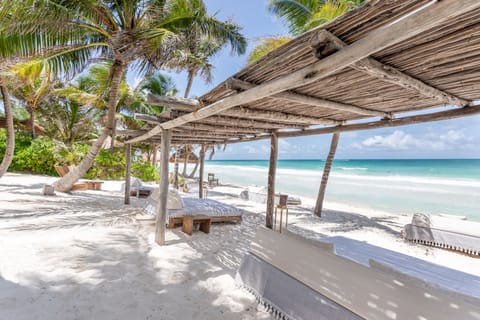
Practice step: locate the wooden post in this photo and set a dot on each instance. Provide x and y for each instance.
(162, 203)
(175, 168)
(326, 173)
(200, 180)
(128, 172)
(271, 179)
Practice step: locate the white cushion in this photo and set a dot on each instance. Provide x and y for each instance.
(174, 201)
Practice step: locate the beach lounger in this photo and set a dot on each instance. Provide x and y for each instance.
(443, 232)
(259, 194)
(138, 188)
(297, 278)
(178, 208)
(82, 184)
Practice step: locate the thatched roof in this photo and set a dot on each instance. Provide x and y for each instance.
(192, 158)
(372, 64)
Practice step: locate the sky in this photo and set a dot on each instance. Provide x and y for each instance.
(459, 138)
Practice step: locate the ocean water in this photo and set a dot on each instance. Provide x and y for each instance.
(397, 186)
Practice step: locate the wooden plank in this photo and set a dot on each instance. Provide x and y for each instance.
(128, 170)
(405, 27)
(272, 169)
(435, 116)
(249, 113)
(326, 173)
(162, 202)
(236, 84)
(388, 73)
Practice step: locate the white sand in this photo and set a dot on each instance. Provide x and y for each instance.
(84, 256)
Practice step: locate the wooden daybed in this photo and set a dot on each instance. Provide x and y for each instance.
(217, 211)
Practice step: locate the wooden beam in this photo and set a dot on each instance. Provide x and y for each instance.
(436, 116)
(177, 103)
(326, 173)
(217, 120)
(236, 84)
(128, 170)
(162, 202)
(244, 112)
(197, 126)
(405, 27)
(276, 116)
(387, 73)
(272, 169)
(202, 166)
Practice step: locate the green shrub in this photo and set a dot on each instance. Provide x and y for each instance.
(40, 155)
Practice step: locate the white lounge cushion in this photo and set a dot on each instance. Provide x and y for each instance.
(174, 201)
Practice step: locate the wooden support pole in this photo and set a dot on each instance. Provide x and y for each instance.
(326, 173)
(162, 202)
(202, 164)
(128, 170)
(403, 28)
(271, 180)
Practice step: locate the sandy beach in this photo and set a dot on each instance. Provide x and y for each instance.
(83, 255)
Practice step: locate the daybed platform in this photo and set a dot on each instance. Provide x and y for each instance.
(297, 278)
(217, 211)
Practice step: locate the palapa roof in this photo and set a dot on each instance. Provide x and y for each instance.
(385, 58)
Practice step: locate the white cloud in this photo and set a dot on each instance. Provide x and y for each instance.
(399, 140)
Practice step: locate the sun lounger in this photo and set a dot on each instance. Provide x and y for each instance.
(259, 194)
(298, 278)
(138, 188)
(443, 232)
(177, 209)
(82, 184)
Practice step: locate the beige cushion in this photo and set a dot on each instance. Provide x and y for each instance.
(174, 201)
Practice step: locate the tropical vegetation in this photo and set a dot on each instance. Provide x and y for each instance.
(64, 37)
(300, 16)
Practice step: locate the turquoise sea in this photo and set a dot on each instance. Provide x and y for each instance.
(397, 186)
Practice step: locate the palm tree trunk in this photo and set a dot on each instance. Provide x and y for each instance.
(192, 174)
(185, 162)
(154, 160)
(114, 131)
(326, 173)
(8, 156)
(66, 183)
(191, 75)
(31, 110)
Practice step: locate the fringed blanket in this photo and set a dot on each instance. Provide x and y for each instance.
(301, 279)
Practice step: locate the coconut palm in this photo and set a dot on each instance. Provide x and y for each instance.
(265, 46)
(300, 16)
(7, 158)
(141, 33)
(31, 83)
(303, 15)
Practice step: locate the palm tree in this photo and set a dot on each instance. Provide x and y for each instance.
(265, 46)
(31, 83)
(7, 158)
(135, 32)
(300, 16)
(303, 15)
